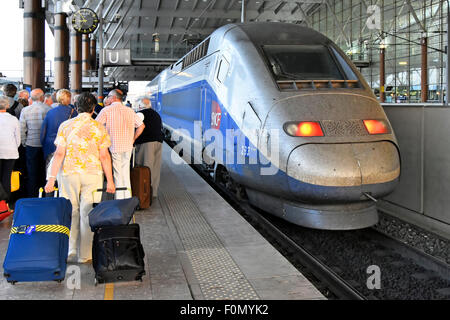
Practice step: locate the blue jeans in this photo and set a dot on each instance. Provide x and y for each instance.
(35, 169)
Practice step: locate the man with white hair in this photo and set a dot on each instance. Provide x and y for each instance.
(24, 94)
(149, 143)
(48, 100)
(31, 120)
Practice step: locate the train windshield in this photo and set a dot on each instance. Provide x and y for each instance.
(307, 62)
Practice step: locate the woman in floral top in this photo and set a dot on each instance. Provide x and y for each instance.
(82, 154)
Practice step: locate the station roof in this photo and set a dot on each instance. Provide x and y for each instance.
(178, 24)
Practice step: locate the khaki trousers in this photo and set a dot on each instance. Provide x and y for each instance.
(149, 154)
(121, 172)
(79, 190)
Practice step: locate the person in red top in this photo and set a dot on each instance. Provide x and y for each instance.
(121, 122)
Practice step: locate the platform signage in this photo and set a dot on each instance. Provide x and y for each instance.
(117, 57)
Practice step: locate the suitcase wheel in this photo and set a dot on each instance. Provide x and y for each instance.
(98, 280)
(12, 282)
(59, 281)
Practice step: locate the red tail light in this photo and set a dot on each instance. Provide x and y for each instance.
(304, 129)
(376, 126)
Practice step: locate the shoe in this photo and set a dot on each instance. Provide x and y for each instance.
(84, 260)
(72, 258)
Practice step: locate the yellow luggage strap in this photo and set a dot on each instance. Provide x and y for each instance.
(28, 230)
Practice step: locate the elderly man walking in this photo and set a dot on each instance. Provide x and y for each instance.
(31, 120)
(149, 144)
(121, 122)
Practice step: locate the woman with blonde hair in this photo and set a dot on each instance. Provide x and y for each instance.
(53, 120)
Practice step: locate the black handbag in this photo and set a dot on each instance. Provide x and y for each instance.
(117, 254)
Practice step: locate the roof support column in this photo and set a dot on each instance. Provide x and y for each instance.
(34, 44)
(447, 67)
(85, 63)
(100, 53)
(382, 75)
(243, 11)
(93, 54)
(75, 63)
(61, 52)
(424, 68)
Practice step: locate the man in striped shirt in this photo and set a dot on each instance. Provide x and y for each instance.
(31, 120)
(121, 122)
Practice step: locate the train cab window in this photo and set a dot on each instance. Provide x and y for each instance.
(222, 70)
(350, 75)
(305, 62)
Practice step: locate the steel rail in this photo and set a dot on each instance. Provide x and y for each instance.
(333, 282)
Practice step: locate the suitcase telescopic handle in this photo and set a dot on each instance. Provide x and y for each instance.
(55, 190)
(117, 189)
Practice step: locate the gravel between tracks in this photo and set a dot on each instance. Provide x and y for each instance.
(350, 253)
(415, 236)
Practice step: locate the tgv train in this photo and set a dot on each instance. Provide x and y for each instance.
(318, 149)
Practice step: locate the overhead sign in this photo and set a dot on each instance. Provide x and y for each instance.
(117, 57)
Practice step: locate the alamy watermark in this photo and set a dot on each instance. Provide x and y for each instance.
(374, 280)
(73, 277)
(374, 20)
(212, 146)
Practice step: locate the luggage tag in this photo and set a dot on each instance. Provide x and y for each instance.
(28, 230)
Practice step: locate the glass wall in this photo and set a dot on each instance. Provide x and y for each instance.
(362, 27)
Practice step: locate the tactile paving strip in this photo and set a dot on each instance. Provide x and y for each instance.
(218, 275)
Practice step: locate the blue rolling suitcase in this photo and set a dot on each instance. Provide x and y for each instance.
(39, 240)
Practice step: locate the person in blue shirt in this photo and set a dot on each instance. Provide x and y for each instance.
(64, 111)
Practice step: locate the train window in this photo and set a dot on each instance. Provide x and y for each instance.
(350, 75)
(223, 70)
(303, 62)
(196, 54)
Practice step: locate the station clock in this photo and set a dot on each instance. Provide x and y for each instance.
(85, 21)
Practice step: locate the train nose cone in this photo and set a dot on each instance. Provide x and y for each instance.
(343, 172)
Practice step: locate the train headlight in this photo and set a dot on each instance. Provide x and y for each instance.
(304, 129)
(376, 126)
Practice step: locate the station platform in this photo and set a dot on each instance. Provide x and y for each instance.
(197, 248)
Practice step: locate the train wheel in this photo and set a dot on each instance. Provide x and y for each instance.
(222, 176)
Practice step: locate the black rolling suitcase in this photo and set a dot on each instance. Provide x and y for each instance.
(118, 254)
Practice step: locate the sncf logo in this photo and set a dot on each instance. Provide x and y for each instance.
(216, 115)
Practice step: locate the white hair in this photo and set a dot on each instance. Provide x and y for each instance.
(142, 104)
(4, 103)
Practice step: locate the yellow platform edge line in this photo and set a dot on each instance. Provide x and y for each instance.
(109, 291)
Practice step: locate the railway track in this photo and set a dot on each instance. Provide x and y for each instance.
(351, 265)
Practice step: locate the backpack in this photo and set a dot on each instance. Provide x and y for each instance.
(13, 108)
